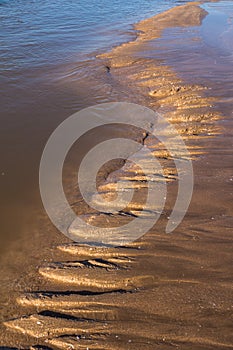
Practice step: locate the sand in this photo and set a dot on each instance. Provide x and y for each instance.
(164, 291)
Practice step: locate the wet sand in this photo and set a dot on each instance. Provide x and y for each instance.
(164, 291)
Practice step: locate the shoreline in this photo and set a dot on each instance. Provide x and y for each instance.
(162, 88)
(183, 267)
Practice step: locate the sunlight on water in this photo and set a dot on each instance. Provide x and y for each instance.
(45, 32)
(219, 36)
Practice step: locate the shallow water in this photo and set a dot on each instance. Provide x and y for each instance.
(205, 50)
(184, 267)
(47, 70)
(37, 33)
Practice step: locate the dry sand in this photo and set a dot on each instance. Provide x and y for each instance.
(166, 291)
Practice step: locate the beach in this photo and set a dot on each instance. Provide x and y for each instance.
(164, 290)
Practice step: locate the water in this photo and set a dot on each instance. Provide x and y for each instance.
(48, 71)
(206, 50)
(223, 15)
(36, 33)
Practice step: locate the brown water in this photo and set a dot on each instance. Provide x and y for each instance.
(36, 98)
(184, 281)
(47, 73)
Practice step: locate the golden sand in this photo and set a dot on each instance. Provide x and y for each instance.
(162, 292)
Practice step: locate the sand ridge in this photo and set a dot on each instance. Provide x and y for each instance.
(164, 291)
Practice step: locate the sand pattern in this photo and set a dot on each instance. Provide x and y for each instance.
(101, 299)
(68, 318)
(163, 292)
